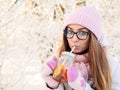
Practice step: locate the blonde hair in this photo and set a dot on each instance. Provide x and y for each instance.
(98, 63)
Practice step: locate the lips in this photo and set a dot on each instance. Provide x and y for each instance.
(75, 46)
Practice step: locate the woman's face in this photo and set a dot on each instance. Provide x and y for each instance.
(80, 40)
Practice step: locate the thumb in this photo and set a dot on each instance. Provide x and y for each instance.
(52, 63)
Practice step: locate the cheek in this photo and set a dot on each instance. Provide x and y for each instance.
(69, 42)
(85, 44)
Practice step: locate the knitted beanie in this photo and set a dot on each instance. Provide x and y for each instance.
(88, 17)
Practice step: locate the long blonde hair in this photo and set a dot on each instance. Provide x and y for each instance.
(98, 63)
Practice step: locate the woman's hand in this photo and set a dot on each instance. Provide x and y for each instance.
(47, 72)
(77, 76)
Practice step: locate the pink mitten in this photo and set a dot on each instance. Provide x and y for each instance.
(77, 76)
(47, 72)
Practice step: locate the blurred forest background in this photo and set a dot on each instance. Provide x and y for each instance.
(30, 32)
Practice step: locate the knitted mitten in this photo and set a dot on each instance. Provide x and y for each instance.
(77, 75)
(47, 72)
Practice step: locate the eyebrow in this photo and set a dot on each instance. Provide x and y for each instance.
(77, 29)
(69, 27)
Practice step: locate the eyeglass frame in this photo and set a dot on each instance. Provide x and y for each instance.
(65, 33)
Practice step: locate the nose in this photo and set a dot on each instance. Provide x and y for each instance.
(75, 38)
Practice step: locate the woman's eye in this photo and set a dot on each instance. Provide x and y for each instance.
(69, 32)
(82, 33)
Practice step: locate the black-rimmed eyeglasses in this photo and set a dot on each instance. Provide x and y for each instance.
(81, 35)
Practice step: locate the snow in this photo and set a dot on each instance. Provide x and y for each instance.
(30, 34)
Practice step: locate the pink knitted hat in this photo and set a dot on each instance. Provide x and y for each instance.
(88, 17)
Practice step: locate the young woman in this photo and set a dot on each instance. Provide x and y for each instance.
(93, 68)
